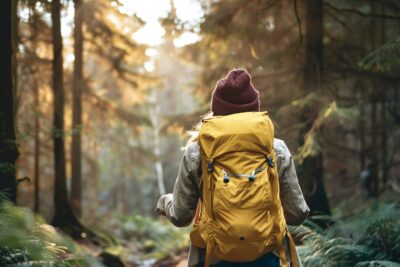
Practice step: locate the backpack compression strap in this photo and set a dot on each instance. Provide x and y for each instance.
(273, 173)
(293, 254)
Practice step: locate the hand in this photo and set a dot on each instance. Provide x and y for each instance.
(162, 204)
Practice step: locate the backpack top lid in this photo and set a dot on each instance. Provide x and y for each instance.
(246, 131)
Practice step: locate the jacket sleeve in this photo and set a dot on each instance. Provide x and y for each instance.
(180, 206)
(294, 205)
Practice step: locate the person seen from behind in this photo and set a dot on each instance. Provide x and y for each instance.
(237, 184)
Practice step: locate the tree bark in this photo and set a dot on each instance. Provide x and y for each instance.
(375, 97)
(8, 146)
(15, 30)
(311, 171)
(36, 108)
(37, 146)
(384, 150)
(361, 123)
(155, 121)
(374, 142)
(384, 125)
(76, 157)
(63, 214)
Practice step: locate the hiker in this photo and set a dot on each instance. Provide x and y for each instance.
(246, 183)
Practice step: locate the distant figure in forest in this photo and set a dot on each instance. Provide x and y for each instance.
(237, 184)
(366, 179)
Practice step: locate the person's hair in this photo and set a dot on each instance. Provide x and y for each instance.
(193, 134)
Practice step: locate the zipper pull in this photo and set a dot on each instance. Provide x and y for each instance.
(226, 177)
(252, 176)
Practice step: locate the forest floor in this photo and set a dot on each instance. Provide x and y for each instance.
(361, 233)
(140, 241)
(129, 255)
(132, 241)
(363, 230)
(178, 260)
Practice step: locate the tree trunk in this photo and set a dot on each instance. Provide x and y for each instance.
(36, 108)
(374, 142)
(375, 97)
(8, 147)
(361, 125)
(155, 121)
(384, 150)
(15, 30)
(76, 157)
(37, 146)
(384, 125)
(311, 171)
(63, 215)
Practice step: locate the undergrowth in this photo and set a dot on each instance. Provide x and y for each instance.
(370, 237)
(26, 240)
(157, 238)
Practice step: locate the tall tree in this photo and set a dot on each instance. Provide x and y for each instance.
(77, 83)
(37, 145)
(8, 145)
(14, 28)
(154, 111)
(383, 115)
(377, 98)
(311, 171)
(63, 214)
(36, 93)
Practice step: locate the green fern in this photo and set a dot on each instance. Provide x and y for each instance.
(26, 241)
(371, 238)
(377, 264)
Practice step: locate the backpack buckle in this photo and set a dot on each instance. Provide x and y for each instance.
(210, 166)
(271, 162)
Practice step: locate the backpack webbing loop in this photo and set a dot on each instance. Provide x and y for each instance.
(209, 250)
(292, 246)
(281, 250)
(197, 217)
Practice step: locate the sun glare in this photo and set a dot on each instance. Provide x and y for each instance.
(151, 34)
(151, 11)
(186, 38)
(111, 17)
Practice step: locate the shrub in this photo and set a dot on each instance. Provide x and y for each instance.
(370, 238)
(26, 239)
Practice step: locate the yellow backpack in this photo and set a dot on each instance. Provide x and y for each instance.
(240, 216)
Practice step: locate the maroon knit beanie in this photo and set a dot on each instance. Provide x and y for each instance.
(235, 93)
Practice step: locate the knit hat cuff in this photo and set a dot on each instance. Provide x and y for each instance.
(221, 108)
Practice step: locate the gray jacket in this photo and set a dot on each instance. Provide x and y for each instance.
(180, 207)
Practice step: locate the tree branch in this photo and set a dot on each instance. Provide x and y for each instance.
(106, 105)
(364, 73)
(296, 12)
(357, 12)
